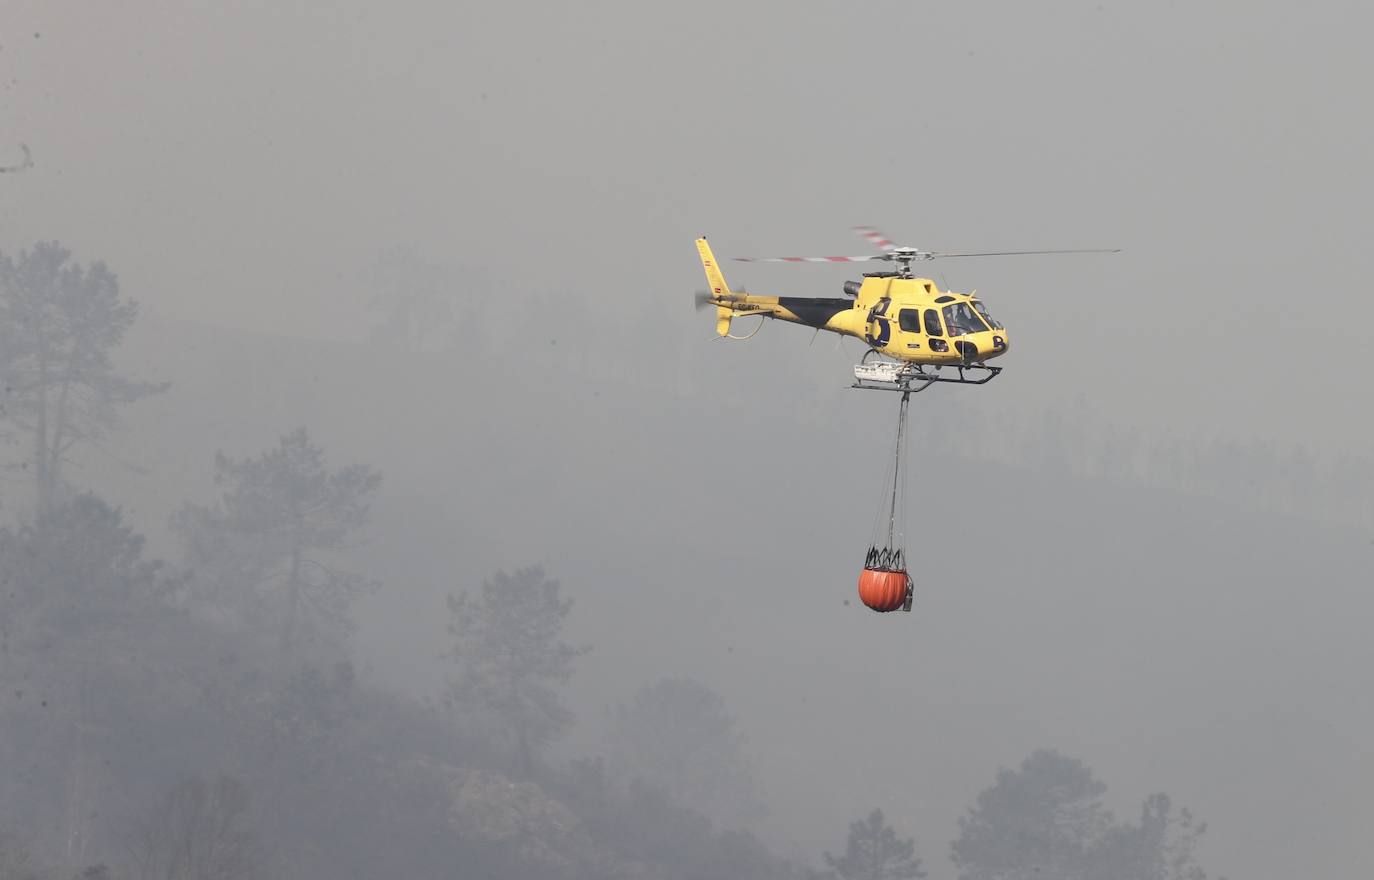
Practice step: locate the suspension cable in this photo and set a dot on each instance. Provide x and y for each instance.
(897, 469)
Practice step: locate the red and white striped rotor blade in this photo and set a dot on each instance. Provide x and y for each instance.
(878, 240)
(863, 259)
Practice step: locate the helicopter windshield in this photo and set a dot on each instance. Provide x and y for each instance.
(991, 321)
(960, 319)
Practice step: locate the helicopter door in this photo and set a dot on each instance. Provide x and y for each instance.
(935, 331)
(933, 327)
(909, 321)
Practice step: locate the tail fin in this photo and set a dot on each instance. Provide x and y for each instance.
(719, 288)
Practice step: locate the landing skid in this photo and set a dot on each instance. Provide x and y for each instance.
(911, 378)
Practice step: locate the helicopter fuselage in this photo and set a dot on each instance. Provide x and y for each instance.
(907, 319)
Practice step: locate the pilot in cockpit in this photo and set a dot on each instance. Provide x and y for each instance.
(962, 320)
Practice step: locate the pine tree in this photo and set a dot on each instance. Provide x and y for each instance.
(59, 323)
(511, 658)
(874, 852)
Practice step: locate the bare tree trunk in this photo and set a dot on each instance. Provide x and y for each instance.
(293, 591)
(42, 484)
(79, 781)
(523, 759)
(54, 452)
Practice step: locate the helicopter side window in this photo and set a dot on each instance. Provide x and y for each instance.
(933, 323)
(982, 310)
(909, 320)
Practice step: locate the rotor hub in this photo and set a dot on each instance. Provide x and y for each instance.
(904, 257)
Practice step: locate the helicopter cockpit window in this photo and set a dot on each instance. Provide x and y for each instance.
(982, 310)
(909, 320)
(933, 327)
(961, 319)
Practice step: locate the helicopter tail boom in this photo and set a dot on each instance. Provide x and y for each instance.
(835, 315)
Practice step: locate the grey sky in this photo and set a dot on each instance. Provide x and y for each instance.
(241, 166)
(238, 166)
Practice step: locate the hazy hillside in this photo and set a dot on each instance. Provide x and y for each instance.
(1173, 641)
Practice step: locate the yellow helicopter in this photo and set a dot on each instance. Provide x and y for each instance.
(913, 329)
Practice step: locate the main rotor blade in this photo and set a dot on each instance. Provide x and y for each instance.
(863, 259)
(876, 238)
(939, 255)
